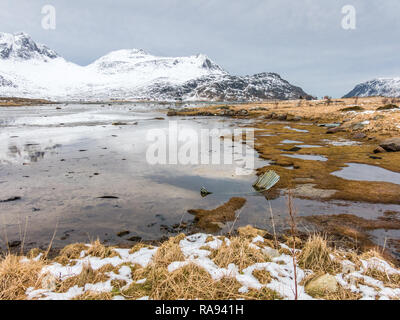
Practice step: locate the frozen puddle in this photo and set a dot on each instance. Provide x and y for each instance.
(291, 141)
(365, 172)
(341, 143)
(294, 129)
(306, 157)
(308, 146)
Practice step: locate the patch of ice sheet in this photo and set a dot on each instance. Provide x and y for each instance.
(291, 141)
(308, 146)
(294, 129)
(341, 142)
(306, 157)
(368, 112)
(88, 117)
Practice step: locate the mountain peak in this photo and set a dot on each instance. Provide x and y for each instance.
(22, 47)
(386, 87)
(128, 74)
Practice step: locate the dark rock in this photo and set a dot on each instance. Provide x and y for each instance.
(14, 244)
(379, 150)
(294, 149)
(282, 117)
(335, 130)
(135, 239)
(242, 112)
(123, 233)
(391, 145)
(108, 197)
(172, 113)
(359, 135)
(358, 126)
(11, 199)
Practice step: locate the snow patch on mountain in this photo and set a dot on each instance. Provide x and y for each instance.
(385, 87)
(32, 70)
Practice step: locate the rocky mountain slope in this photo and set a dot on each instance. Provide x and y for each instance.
(32, 70)
(389, 87)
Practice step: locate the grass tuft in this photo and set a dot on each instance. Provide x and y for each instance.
(16, 277)
(238, 252)
(315, 256)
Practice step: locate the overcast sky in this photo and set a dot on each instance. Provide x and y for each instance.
(302, 40)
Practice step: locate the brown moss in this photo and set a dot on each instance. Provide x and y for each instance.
(209, 219)
(354, 108)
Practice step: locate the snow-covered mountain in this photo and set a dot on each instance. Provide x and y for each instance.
(32, 70)
(385, 87)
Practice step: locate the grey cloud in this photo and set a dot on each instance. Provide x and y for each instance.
(302, 40)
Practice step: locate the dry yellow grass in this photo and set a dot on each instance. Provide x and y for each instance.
(87, 275)
(16, 277)
(191, 282)
(94, 296)
(71, 251)
(238, 252)
(389, 280)
(169, 251)
(97, 249)
(139, 246)
(315, 256)
(262, 276)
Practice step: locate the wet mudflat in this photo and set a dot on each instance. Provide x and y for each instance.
(82, 171)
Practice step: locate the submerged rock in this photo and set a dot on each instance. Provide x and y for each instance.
(123, 233)
(11, 199)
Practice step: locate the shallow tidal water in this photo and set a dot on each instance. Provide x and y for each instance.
(81, 171)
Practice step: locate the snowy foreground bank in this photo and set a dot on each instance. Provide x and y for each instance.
(181, 267)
